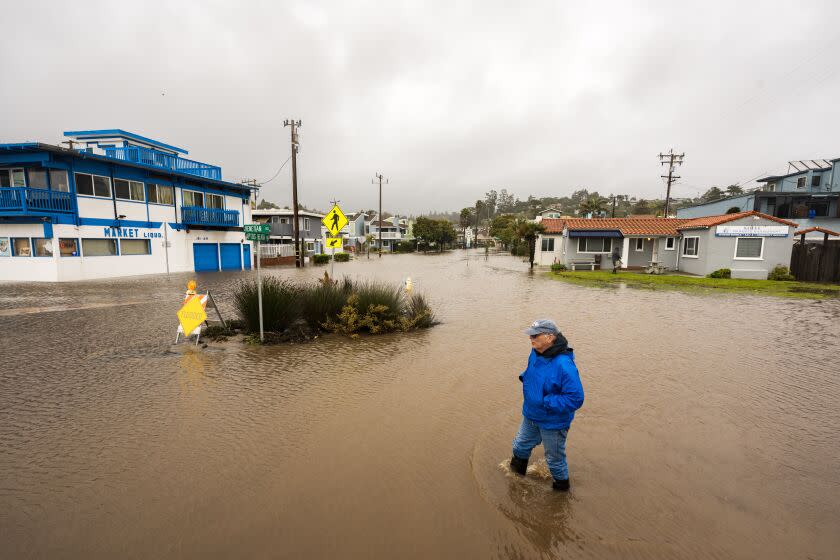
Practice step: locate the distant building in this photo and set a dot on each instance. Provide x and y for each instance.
(116, 204)
(808, 195)
(282, 228)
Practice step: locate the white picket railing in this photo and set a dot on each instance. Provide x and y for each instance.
(276, 250)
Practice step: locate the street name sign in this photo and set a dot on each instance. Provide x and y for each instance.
(335, 220)
(257, 232)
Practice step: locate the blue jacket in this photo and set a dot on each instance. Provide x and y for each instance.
(552, 390)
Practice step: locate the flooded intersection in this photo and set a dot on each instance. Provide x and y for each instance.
(709, 429)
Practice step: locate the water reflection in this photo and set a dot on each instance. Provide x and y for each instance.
(114, 443)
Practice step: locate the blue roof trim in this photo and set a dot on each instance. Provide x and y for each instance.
(595, 233)
(93, 134)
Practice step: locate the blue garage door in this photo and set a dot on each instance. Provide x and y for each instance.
(205, 256)
(246, 250)
(231, 256)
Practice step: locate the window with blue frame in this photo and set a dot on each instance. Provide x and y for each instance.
(135, 247)
(99, 247)
(161, 194)
(93, 185)
(203, 200)
(129, 190)
(43, 246)
(68, 247)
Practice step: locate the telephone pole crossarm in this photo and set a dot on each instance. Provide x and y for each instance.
(672, 160)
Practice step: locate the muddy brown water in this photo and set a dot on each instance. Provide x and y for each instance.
(710, 428)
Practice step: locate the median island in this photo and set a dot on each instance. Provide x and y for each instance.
(696, 284)
(302, 312)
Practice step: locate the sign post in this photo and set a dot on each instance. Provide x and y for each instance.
(334, 221)
(258, 233)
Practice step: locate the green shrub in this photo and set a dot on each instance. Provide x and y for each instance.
(320, 259)
(404, 247)
(558, 267)
(342, 257)
(781, 273)
(322, 303)
(720, 273)
(281, 304)
(418, 313)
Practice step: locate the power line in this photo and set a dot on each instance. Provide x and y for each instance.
(278, 171)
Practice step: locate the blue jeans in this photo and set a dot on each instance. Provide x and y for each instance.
(554, 441)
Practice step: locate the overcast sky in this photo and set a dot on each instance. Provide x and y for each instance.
(446, 99)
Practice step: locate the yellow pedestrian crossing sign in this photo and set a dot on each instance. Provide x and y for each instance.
(334, 242)
(334, 220)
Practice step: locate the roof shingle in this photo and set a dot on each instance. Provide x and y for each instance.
(708, 221)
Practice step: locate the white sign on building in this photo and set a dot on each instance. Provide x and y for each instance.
(751, 231)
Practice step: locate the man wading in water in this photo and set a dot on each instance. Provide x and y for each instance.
(552, 393)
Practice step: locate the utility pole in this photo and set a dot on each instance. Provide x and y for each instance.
(379, 177)
(299, 257)
(671, 159)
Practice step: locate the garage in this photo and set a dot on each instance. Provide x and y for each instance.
(206, 256)
(246, 250)
(231, 256)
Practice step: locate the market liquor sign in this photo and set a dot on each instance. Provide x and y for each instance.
(130, 233)
(257, 232)
(751, 231)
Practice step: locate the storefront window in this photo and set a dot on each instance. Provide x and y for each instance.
(43, 247)
(68, 247)
(135, 247)
(21, 247)
(99, 247)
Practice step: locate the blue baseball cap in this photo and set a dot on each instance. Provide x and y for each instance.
(541, 326)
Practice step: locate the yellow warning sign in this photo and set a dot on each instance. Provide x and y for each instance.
(334, 220)
(334, 242)
(191, 315)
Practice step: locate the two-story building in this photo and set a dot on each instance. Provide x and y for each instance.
(392, 233)
(112, 204)
(808, 194)
(282, 228)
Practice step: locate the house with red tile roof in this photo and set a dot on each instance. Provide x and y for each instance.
(749, 243)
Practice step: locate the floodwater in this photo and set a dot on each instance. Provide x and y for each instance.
(710, 428)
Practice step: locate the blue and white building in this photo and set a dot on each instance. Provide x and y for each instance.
(809, 194)
(113, 204)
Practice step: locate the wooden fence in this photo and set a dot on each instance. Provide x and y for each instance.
(816, 262)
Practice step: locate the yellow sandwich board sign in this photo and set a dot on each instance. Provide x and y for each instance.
(334, 220)
(191, 315)
(334, 242)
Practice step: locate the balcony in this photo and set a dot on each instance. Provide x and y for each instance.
(198, 216)
(163, 160)
(27, 201)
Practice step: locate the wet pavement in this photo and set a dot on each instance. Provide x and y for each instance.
(710, 428)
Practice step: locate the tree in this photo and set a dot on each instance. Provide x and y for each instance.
(734, 190)
(465, 221)
(444, 233)
(592, 205)
(368, 242)
(266, 205)
(479, 206)
(506, 202)
(713, 193)
(641, 207)
(490, 199)
(502, 228)
(733, 210)
(529, 231)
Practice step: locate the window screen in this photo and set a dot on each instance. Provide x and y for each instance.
(749, 247)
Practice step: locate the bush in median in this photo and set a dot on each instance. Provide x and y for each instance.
(342, 257)
(320, 259)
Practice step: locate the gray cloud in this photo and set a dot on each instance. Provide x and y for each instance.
(447, 99)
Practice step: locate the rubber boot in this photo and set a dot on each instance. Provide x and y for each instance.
(519, 466)
(561, 485)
